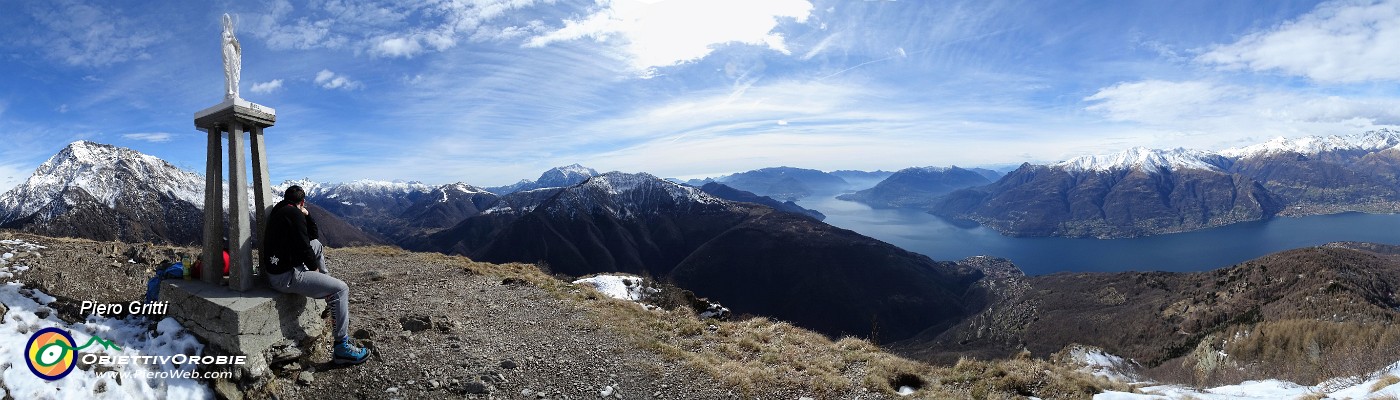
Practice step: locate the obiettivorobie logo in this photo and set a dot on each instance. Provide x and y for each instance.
(51, 353)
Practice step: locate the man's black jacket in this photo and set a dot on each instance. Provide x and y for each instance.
(289, 234)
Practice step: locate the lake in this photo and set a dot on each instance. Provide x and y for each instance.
(1200, 250)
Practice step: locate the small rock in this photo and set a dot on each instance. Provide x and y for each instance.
(514, 282)
(416, 323)
(394, 389)
(305, 378)
(226, 389)
(444, 326)
(376, 276)
(527, 392)
(509, 364)
(434, 384)
(475, 387)
(606, 392)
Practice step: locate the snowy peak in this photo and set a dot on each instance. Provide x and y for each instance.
(621, 184)
(568, 175)
(1311, 145)
(106, 173)
(621, 195)
(1146, 160)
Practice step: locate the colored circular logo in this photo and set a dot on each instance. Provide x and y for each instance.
(50, 353)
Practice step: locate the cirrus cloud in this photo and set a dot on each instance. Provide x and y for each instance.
(659, 34)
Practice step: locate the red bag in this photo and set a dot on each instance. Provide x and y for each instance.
(196, 269)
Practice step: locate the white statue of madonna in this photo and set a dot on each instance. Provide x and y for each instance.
(233, 60)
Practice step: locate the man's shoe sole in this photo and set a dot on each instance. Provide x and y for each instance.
(351, 361)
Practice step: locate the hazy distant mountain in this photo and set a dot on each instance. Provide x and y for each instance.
(916, 187)
(568, 175)
(858, 180)
(728, 193)
(746, 256)
(782, 183)
(104, 192)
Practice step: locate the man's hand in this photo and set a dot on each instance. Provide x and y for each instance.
(303, 209)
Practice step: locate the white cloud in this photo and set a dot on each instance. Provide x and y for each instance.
(1338, 42)
(266, 87)
(397, 47)
(153, 137)
(88, 34)
(331, 80)
(1156, 101)
(1225, 111)
(658, 34)
(62, 108)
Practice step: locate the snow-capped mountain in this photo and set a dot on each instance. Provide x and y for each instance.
(1147, 160)
(106, 192)
(556, 177)
(447, 205)
(1376, 140)
(624, 196)
(103, 192)
(103, 172)
(780, 264)
(568, 175)
(1144, 191)
(396, 211)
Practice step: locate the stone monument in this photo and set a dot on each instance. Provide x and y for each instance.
(239, 119)
(246, 317)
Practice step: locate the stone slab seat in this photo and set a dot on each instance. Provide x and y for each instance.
(261, 323)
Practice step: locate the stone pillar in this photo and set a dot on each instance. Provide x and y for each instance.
(213, 209)
(262, 189)
(238, 117)
(240, 249)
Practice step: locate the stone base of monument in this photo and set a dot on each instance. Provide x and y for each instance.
(263, 324)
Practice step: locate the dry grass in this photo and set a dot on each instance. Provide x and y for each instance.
(1312, 396)
(1385, 382)
(758, 357)
(1311, 351)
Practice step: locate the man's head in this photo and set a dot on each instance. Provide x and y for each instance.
(294, 195)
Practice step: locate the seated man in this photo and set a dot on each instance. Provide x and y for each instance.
(296, 264)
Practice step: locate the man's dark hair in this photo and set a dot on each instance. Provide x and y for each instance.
(294, 194)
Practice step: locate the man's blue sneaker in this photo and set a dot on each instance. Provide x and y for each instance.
(346, 353)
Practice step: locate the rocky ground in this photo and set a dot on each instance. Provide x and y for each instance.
(439, 326)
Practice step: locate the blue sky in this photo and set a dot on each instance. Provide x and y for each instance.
(492, 91)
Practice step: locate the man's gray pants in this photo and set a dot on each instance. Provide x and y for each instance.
(321, 285)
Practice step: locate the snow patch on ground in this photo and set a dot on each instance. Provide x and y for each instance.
(623, 287)
(132, 335)
(1266, 389)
